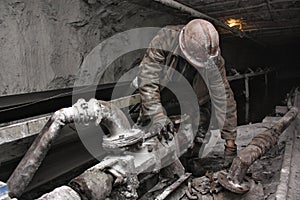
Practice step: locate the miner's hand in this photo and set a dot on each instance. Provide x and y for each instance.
(161, 126)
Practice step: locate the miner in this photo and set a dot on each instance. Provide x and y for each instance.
(193, 51)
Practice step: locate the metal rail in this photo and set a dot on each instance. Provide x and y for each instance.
(246, 78)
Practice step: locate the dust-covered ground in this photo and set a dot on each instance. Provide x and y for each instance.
(266, 170)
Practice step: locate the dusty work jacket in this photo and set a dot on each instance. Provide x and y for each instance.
(157, 68)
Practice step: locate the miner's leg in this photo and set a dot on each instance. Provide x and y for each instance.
(204, 120)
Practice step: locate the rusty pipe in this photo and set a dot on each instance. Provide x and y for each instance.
(81, 112)
(259, 145)
(26, 169)
(93, 184)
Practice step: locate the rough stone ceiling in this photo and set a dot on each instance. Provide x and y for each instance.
(256, 15)
(265, 20)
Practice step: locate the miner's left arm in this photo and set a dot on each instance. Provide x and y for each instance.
(222, 99)
(229, 130)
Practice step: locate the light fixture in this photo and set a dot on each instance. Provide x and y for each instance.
(236, 23)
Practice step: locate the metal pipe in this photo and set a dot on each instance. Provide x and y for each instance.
(93, 184)
(81, 112)
(26, 169)
(113, 118)
(259, 145)
(195, 13)
(247, 92)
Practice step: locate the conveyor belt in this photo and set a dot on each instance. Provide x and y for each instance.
(15, 107)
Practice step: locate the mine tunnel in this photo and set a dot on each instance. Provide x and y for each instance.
(149, 99)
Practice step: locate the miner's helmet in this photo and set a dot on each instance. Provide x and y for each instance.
(199, 41)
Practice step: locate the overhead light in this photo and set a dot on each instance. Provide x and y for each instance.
(236, 23)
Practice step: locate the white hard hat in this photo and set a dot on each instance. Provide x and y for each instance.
(199, 40)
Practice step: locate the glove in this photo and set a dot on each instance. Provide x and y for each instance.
(161, 126)
(229, 154)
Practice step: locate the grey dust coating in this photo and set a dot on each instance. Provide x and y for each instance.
(97, 62)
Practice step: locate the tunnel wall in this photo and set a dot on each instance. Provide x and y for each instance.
(43, 42)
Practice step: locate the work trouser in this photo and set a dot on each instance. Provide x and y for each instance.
(203, 120)
(205, 115)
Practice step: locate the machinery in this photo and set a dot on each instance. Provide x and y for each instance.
(131, 152)
(137, 162)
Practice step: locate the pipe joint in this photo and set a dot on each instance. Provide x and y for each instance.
(85, 112)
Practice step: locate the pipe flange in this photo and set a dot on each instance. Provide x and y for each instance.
(229, 184)
(124, 139)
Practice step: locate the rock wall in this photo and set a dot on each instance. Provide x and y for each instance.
(44, 42)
